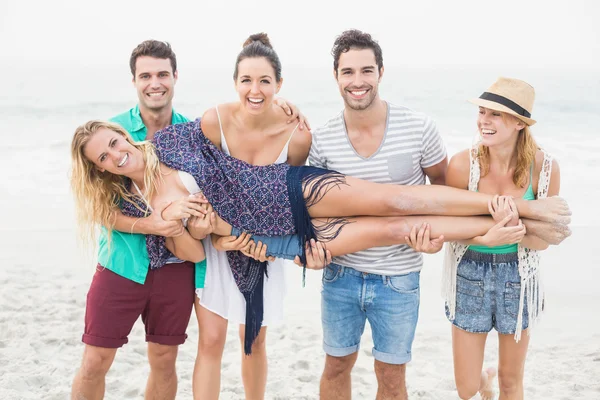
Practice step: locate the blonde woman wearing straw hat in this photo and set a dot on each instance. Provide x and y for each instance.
(489, 283)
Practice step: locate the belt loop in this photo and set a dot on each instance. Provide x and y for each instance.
(341, 271)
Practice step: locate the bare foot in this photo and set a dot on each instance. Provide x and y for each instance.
(550, 209)
(552, 233)
(486, 387)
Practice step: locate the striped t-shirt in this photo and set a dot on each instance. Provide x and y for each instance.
(410, 143)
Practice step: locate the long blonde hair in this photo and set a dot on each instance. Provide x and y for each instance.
(98, 194)
(526, 149)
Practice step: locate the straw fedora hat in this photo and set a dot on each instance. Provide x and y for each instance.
(511, 96)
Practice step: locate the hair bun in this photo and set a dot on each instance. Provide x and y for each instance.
(258, 37)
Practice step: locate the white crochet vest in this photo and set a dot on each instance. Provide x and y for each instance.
(529, 260)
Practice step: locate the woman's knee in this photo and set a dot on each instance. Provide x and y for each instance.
(211, 342)
(467, 388)
(509, 381)
(260, 343)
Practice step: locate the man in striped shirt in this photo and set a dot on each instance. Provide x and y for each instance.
(381, 142)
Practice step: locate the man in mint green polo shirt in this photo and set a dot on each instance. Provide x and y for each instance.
(128, 256)
(123, 287)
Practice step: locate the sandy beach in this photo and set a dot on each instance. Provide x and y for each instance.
(42, 309)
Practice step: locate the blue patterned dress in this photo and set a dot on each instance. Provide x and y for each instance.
(263, 200)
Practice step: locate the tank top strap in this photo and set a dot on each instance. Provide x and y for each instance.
(284, 152)
(529, 194)
(142, 196)
(531, 172)
(224, 146)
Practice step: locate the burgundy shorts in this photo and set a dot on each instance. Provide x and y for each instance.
(164, 301)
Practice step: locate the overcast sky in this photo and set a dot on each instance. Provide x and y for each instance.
(412, 33)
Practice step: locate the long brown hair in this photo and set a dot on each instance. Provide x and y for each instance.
(97, 194)
(526, 149)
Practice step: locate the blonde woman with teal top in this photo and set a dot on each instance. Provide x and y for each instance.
(493, 281)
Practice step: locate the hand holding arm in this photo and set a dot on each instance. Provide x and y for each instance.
(500, 234)
(503, 206)
(294, 113)
(201, 227)
(421, 242)
(257, 251)
(231, 243)
(317, 255)
(185, 207)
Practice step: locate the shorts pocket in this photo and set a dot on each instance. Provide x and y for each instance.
(331, 273)
(512, 295)
(406, 284)
(469, 295)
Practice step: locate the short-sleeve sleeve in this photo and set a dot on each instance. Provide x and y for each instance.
(315, 157)
(433, 150)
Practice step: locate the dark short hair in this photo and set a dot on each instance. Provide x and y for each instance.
(153, 48)
(355, 39)
(259, 45)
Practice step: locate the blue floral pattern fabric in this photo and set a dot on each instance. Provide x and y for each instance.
(252, 198)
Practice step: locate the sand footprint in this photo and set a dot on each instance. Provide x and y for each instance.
(306, 378)
(302, 364)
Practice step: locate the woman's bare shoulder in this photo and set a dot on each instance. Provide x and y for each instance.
(459, 169)
(299, 147)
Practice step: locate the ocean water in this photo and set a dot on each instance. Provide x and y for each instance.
(42, 107)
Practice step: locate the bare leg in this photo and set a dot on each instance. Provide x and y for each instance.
(336, 380)
(366, 232)
(391, 381)
(162, 381)
(468, 349)
(89, 382)
(212, 330)
(254, 366)
(512, 366)
(359, 197)
(549, 232)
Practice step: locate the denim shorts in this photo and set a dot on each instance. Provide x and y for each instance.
(286, 247)
(390, 304)
(488, 289)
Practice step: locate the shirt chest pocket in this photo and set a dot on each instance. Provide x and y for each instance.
(401, 166)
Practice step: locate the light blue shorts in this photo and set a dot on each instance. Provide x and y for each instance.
(389, 303)
(287, 247)
(488, 289)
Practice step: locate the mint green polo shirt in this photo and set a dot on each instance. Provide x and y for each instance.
(128, 254)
